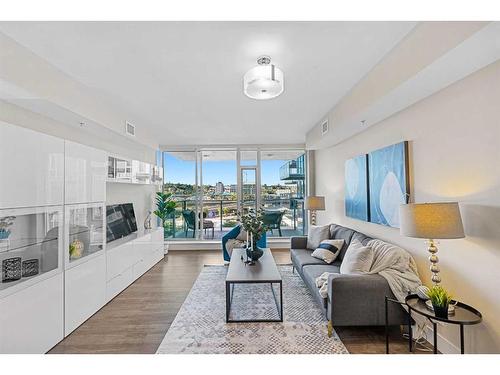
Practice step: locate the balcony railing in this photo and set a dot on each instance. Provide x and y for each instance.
(292, 170)
(223, 214)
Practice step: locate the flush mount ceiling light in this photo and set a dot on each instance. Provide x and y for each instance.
(265, 81)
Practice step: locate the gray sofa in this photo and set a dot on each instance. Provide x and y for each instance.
(353, 300)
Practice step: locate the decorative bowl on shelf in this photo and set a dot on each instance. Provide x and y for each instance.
(30, 267)
(11, 269)
(4, 234)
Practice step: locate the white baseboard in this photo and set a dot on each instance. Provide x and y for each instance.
(443, 344)
(273, 243)
(193, 245)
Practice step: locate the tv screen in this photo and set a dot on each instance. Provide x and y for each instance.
(120, 221)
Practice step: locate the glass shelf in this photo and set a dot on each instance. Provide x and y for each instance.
(30, 243)
(85, 231)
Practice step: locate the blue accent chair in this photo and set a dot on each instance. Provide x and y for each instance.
(233, 233)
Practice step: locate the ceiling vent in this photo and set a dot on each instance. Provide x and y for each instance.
(324, 127)
(129, 129)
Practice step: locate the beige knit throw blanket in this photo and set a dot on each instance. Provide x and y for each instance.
(393, 263)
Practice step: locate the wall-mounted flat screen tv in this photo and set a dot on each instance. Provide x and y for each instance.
(120, 221)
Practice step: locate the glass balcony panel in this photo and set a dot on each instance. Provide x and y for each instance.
(282, 191)
(180, 180)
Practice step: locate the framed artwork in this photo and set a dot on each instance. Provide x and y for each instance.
(388, 183)
(356, 188)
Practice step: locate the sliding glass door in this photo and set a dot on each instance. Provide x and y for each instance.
(282, 191)
(248, 201)
(220, 193)
(181, 180)
(211, 186)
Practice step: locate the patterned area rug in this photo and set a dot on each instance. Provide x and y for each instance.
(200, 325)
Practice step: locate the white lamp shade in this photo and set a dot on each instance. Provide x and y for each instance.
(431, 220)
(315, 203)
(263, 82)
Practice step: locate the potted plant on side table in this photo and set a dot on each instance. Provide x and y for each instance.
(440, 300)
(253, 224)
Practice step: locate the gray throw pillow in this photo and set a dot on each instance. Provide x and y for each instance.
(316, 234)
(328, 250)
(357, 259)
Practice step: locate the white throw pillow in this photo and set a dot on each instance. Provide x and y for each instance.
(242, 236)
(357, 259)
(316, 234)
(328, 250)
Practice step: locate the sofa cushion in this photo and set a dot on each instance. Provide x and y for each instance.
(358, 259)
(328, 250)
(339, 232)
(361, 237)
(298, 242)
(316, 234)
(302, 257)
(312, 272)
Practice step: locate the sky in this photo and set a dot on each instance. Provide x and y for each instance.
(180, 171)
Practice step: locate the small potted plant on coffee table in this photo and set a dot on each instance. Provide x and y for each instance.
(440, 300)
(253, 224)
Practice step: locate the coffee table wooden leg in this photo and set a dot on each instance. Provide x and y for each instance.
(330, 328)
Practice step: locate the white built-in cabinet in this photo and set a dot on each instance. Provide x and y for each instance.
(85, 262)
(31, 231)
(85, 171)
(84, 233)
(56, 268)
(129, 260)
(133, 171)
(32, 168)
(31, 320)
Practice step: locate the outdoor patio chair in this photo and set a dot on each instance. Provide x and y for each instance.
(273, 220)
(189, 220)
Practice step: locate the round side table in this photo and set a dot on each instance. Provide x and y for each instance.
(464, 315)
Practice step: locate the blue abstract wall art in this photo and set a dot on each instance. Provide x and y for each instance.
(388, 183)
(356, 188)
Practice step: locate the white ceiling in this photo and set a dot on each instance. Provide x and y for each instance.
(183, 80)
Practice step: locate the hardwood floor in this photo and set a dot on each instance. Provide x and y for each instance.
(136, 320)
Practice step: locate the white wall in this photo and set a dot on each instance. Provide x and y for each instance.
(16, 115)
(34, 79)
(454, 156)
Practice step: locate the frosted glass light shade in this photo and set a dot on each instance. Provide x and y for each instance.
(315, 203)
(263, 82)
(431, 220)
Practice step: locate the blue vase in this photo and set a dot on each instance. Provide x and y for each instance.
(4, 234)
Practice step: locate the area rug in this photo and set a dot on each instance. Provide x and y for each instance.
(200, 325)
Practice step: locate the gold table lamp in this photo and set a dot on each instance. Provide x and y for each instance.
(432, 221)
(313, 204)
